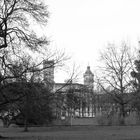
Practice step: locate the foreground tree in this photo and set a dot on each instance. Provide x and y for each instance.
(116, 76)
(17, 37)
(15, 18)
(22, 52)
(36, 108)
(32, 108)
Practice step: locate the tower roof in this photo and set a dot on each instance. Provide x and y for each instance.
(88, 71)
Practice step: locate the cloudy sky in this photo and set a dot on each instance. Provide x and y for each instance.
(84, 27)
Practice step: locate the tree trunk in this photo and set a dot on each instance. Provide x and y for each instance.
(26, 113)
(122, 115)
(26, 125)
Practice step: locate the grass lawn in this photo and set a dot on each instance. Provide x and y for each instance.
(73, 133)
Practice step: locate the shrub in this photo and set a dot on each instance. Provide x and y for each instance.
(108, 119)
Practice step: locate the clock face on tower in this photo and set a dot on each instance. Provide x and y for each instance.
(88, 79)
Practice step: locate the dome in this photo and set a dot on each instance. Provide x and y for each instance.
(88, 71)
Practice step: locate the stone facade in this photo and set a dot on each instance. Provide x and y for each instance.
(82, 91)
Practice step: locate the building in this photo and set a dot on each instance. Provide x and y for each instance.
(83, 92)
(88, 103)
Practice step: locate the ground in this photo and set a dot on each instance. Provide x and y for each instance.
(73, 133)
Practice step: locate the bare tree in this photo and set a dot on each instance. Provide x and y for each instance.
(16, 36)
(15, 17)
(19, 44)
(115, 80)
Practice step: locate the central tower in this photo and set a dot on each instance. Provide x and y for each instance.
(89, 79)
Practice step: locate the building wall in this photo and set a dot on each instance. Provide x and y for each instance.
(60, 89)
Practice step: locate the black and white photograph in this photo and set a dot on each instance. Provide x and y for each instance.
(69, 70)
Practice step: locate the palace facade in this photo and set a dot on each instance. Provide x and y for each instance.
(71, 98)
(79, 100)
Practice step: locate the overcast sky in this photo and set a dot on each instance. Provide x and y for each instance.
(84, 27)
